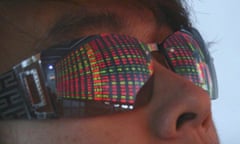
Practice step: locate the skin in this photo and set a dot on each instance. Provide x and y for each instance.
(24, 31)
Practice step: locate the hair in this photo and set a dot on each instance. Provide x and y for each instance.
(174, 13)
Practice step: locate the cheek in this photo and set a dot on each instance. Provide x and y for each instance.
(120, 128)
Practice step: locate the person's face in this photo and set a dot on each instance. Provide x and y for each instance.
(178, 113)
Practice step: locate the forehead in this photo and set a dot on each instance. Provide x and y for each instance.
(54, 9)
(33, 25)
(41, 17)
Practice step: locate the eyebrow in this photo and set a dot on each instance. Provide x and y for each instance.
(83, 21)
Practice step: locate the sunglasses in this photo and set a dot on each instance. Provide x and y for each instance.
(99, 75)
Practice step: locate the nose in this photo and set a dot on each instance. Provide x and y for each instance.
(178, 107)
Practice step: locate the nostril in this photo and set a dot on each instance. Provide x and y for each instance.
(185, 117)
